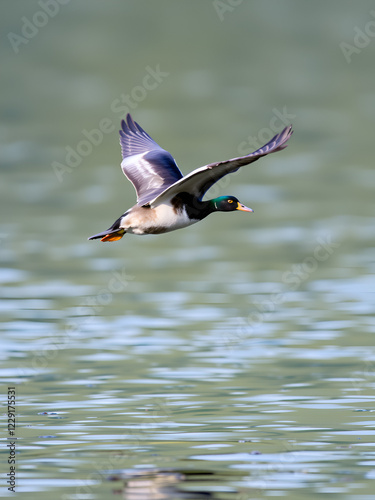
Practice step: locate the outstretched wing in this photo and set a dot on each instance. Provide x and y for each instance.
(200, 180)
(148, 167)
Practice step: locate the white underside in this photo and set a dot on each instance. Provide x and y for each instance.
(160, 219)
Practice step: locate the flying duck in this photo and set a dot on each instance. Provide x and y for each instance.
(166, 200)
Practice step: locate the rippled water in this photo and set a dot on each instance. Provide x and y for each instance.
(233, 359)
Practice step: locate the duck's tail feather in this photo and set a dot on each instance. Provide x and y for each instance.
(109, 235)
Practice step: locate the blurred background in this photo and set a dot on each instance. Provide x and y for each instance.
(234, 358)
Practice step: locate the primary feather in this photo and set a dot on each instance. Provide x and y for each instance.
(200, 180)
(149, 168)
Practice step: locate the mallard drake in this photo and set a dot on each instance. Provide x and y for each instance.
(166, 200)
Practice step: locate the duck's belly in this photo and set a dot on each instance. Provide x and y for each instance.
(158, 220)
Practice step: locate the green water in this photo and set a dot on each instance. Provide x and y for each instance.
(233, 359)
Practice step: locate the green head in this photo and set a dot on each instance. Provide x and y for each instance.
(228, 204)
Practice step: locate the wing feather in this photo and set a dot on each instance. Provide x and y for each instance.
(200, 180)
(148, 167)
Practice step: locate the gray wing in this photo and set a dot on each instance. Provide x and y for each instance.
(148, 167)
(200, 180)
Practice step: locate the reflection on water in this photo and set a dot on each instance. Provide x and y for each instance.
(167, 484)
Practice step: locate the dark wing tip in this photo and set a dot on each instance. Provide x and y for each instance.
(133, 139)
(131, 127)
(123, 127)
(281, 138)
(128, 125)
(277, 143)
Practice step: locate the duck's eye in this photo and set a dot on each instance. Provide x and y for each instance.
(230, 201)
